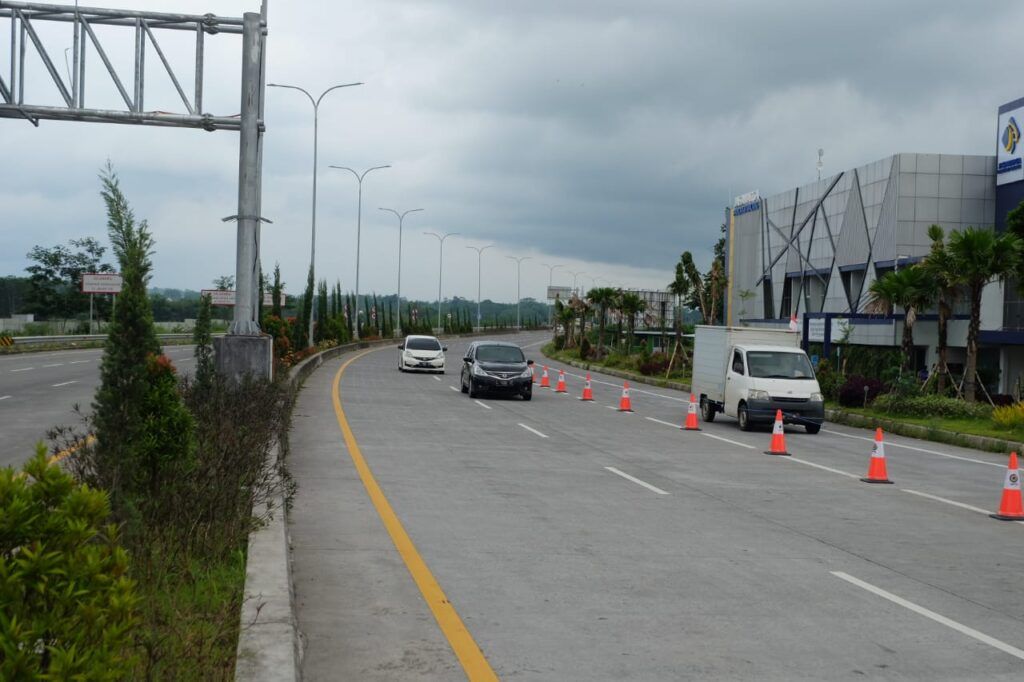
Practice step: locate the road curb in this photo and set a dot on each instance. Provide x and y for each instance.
(269, 641)
(638, 378)
(928, 433)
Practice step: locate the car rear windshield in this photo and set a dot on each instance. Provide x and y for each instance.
(779, 365)
(499, 354)
(422, 344)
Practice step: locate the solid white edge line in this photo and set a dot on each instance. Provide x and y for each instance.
(917, 449)
(453, 388)
(66, 383)
(938, 618)
(734, 442)
(637, 481)
(819, 466)
(483, 405)
(534, 431)
(658, 421)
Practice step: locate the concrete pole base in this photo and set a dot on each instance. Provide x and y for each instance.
(237, 356)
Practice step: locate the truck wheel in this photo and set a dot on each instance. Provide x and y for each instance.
(707, 410)
(812, 428)
(744, 418)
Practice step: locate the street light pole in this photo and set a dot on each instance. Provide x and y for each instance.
(359, 222)
(519, 276)
(551, 275)
(479, 260)
(440, 268)
(316, 133)
(575, 275)
(401, 218)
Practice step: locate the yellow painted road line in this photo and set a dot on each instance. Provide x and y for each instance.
(465, 647)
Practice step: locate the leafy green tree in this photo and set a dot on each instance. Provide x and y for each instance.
(631, 305)
(67, 606)
(204, 346)
(978, 257)
(914, 290)
(143, 432)
(55, 277)
(224, 283)
(602, 298)
(939, 263)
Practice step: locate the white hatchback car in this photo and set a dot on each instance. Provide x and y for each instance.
(421, 353)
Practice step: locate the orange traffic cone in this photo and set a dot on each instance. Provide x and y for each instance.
(560, 386)
(588, 393)
(533, 375)
(1011, 507)
(691, 416)
(778, 437)
(876, 469)
(625, 404)
(545, 382)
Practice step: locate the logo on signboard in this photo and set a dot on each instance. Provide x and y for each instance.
(1011, 135)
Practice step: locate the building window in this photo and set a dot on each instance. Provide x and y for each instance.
(814, 293)
(769, 299)
(853, 284)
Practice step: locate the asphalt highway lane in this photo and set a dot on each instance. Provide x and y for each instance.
(39, 391)
(577, 542)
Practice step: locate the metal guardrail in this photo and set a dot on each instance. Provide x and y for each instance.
(72, 338)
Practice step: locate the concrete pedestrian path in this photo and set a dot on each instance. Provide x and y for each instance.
(360, 614)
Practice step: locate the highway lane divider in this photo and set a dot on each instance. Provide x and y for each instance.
(469, 654)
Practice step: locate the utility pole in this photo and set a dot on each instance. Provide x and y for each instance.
(440, 269)
(316, 147)
(519, 264)
(479, 259)
(359, 223)
(401, 218)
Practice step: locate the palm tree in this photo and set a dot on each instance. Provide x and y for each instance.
(940, 264)
(565, 315)
(912, 289)
(603, 298)
(631, 305)
(979, 257)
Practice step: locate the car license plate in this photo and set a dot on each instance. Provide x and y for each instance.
(424, 364)
(504, 382)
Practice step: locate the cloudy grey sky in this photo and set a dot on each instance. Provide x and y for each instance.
(604, 135)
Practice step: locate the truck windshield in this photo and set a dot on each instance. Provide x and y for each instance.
(779, 365)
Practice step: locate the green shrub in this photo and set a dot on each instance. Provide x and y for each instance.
(931, 406)
(1009, 416)
(67, 607)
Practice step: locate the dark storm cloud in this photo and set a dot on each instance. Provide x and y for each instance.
(608, 135)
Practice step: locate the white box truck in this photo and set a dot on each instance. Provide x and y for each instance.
(749, 373)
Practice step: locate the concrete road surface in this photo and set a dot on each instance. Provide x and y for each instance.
(39, 391)
(575, 542)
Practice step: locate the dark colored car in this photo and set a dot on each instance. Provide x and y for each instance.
(496, 367)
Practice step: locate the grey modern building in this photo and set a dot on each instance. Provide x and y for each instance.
(813, 251)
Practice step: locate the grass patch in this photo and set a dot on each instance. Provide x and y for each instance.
(616, 361)
(973, 427)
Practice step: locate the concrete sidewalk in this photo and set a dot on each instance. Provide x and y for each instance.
(360, 613)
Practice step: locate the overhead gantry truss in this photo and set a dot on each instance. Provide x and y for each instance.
(23, 18)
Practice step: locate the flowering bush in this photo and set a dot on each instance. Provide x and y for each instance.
(851, 393)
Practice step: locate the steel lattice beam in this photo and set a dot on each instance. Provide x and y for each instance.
(24, 41)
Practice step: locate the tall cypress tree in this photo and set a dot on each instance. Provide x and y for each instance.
(204, 346)
(275, 306)
(145, 438)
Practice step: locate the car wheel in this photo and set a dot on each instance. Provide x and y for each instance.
(812, 428)
(462, 384)
(743, 417)
(473, 393)
(528, 395)
(707, 411)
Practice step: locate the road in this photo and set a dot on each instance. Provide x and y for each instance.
(575, 542)
(39, 391)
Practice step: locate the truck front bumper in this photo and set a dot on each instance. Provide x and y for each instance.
(792, 412)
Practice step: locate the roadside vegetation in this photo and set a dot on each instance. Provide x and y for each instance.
(131, 563)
